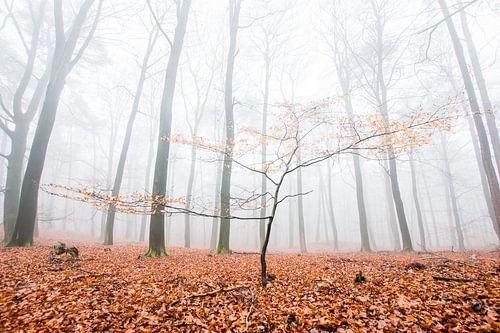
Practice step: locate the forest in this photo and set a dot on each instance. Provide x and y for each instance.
(249, 166)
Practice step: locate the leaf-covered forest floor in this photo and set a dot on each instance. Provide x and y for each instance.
(117, 289)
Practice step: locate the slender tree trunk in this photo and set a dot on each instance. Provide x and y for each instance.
(147, 180)
(62, 65)
(189, 193)
(320, 207)
(478, 122)
(477, 155)
(392, 211)
(22, 120)
(157, 224)
(483, 91)
(331, 210)
(452, 196)
(109, 174)
(25, 223)
(302, 233)
(324, 203)
(170, 192)
(431, 209)
(403, 224)
(381, 96)
(393, 176)
(225, 195)
(358, 175)
(215, 220)
(449, 213)
(291, 205)
(13, 179)
(110, 220)
(423, 243)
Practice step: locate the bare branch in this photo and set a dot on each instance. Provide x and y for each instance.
(86, 43)
(158, 23)
(434, 26)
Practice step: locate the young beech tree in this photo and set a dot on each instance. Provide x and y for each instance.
(294, 129)
(66, 56)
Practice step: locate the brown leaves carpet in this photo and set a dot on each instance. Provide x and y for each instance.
(116, 289)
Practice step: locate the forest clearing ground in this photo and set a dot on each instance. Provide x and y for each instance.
(117, 289)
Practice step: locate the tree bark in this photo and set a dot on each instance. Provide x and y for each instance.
(478, 122)
(22, 120)
(225, 194)
(393, 224)
(62, 65)
(483, 91)
(477, 155)
(358, 175)
(157, 224)
(452, 197)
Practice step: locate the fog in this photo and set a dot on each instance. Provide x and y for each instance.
(379, 58)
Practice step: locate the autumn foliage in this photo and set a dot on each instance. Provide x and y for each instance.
(117, 289)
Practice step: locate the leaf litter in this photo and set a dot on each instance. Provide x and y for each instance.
(117, 289)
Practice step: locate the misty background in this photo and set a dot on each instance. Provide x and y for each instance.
(291, 46)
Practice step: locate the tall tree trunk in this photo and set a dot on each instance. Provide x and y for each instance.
(477, 155)
(110, 220)
(189, 193)
(420, 220)
(13, 179)
(321, 205)
(403, 224)
(215, 220)
(478, 122)
(225, 193)
(170, 192)
(431, 209)
(331, 213)
(62, 65)
(157, 224)
(452, 196)
(381, 97)
(22, 120)
(483, 91)
(393, 224)
(291, 205)
(358, 175)
(302, 232)
(109, 174)
(147, 179)
(449, 212)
